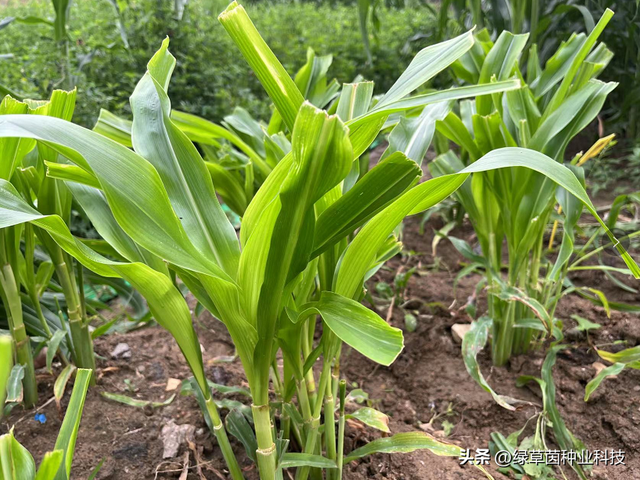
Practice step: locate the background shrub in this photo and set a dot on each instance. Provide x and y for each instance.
(211, 77)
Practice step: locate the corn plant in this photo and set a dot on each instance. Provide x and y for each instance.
(550, 108)
(16, 463)
(309, 239)
(24, 163)
(241, 152)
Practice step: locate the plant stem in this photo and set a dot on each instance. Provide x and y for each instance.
(310, 445)
(330, 426)
(13, 305)
(223, 440)
(341, 423)
(266, 452)
(80, 336)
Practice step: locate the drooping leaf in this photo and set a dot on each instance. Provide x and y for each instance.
(593, 384)
(135, 402)
(371, 417)
(238, 426)
(472, 343)
(293, 460)
(68, 433)
(360, 328)
(405, 443)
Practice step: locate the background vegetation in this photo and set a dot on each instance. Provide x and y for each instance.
(211, 80)
(210, 77)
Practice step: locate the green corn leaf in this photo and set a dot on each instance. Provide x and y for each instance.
(253, 260)
(61, 8)
(371, 417)
(165, 300)
(16, 463)
(135, 402)
(114, 127)
(72, 173)
(499, 63)
(12, 149)
(629, 355)
(181, 169)
(229, 187)
(238, 426)
(558, 65)
(405, 443)
(412, 136)
(145, 214)
(293, 460)
(360, 328)
(274, 78)
(6, 364)
(95, 206)
(68, 433)
(569, 118)
(523, 109)
(322, 157)
(374, 191)
(205, 132)
(472, 343)
(593, 384)
(362, 251)
(512, 294)
(427, 64)
(454, 129)
(564, 437)
(50, 465)
(355, 100)
(577, 60)
(418, 101)
(249, 129)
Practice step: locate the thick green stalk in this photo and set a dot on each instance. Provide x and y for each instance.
(503, 334)
(308, 333)
(266, 452)
(330, 425)
(221, 435)
(80, 335)
(13, 305)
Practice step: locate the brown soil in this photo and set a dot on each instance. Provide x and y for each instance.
(427, 377)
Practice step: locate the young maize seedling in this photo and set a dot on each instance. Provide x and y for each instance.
(309, 239)
(549, 108)
(16, 463)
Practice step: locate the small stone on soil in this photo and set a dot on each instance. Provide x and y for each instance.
(172, 384)
(175, 435)
(598, 367)
(458, 331)
(122, 350)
